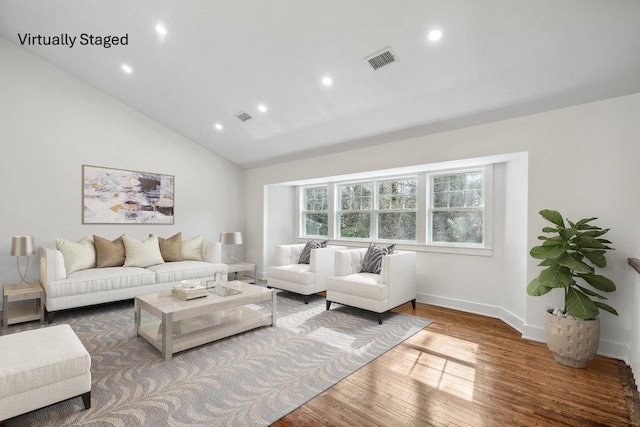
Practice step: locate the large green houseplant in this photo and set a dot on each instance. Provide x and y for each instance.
(571, 253)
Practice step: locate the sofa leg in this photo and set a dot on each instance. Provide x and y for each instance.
(413, 303)
(50, 316)
(86, 399)
(306, 299)
(328, 304)
(268, 287)
(379, 318)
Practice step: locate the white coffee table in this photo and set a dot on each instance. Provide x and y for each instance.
(177, 325)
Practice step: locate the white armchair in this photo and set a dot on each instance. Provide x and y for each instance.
(394, 286)
(304, 279)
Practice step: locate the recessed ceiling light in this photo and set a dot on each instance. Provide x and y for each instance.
(161, 29)
(127, 69)
(327, 81)
(262, 108)
(435, 35)
(218, 126)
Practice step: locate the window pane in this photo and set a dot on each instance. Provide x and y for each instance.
(473, 198)
(397, 225)
(456, 199)
(457, 227)
(397, 194)
(316, 224)
(355, 224)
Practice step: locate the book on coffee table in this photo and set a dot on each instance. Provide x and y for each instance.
(189, 293)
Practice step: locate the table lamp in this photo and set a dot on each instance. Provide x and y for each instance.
(231, 238)
(22, 246)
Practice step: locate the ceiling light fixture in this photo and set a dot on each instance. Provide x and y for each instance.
(435, 35)
(160, 28)
(127, 69)
(327, 81)
(218, 126)
(262, 108)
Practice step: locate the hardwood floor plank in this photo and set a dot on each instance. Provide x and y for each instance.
(470, 370)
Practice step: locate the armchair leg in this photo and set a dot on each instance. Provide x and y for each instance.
(413, 303)
(86, 400)
(379, 318)
(306, 299)
(328, 304)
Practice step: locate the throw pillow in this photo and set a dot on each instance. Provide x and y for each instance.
(79, 255)
(305, 255)
(372, 261)
(192, 249)
(141, 253)
(108, 253)
(170, 248)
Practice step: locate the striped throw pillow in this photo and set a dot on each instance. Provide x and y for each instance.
(372, 261)
(305, 255)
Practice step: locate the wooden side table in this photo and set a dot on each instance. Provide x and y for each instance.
(238, 266)
(17, 306)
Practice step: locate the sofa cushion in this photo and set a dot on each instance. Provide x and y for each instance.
(109, 253)
(372, 261)
(365, 285)
(296, 273)
(37, 358)
(182, 270)
(77, 255)
(171, 247)
(142, 253)
(100, 280)
(192, 249)
(305, 255)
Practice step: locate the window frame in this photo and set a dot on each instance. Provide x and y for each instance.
(302, 225)
(424, 195)
(338, 209)
(487, 197)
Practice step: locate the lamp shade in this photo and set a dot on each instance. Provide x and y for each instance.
(22, 246)
(231, 237)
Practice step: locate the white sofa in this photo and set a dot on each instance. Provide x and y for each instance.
(304, 279)
(100, 285)
(394, 286)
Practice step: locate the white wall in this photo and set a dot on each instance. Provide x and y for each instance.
(582, 161)
(52, 123)
(280, 221)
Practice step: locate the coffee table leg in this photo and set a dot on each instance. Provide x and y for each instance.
(136, 316)
(274, 300)
(166, 337)
(5, 309)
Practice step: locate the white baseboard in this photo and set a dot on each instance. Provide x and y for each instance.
(532, 333)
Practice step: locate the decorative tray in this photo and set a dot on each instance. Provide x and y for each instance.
(223, 291)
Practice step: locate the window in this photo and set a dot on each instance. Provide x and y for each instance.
(355, 204)
(457, 208)
(315, 213)
(440, 211)
(396, 215)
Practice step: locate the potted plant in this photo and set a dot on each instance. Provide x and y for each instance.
(571, 253)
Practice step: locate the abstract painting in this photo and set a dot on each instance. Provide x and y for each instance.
(118, 196)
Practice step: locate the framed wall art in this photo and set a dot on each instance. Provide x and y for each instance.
(118, 196)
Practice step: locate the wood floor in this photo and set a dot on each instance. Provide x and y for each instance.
(470, 370)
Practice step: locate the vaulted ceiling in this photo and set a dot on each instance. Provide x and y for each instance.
(495, 59)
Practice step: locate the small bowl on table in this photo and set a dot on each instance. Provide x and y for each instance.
(190, 283)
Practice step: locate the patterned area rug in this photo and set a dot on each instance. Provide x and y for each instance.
(254, 378)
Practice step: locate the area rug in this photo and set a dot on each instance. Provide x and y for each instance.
(251, 379)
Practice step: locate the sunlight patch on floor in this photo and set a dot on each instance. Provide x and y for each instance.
(442, 362)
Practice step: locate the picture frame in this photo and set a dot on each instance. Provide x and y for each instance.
(121, 196)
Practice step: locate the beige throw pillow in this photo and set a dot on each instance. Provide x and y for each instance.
(192, 249)
(108, 253)
(171, 248)
(141, 253)
(79, 255)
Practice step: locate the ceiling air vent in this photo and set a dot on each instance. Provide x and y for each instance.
(243, 116)
(382, 58)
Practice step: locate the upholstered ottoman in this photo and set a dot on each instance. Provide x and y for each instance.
(41, 367)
